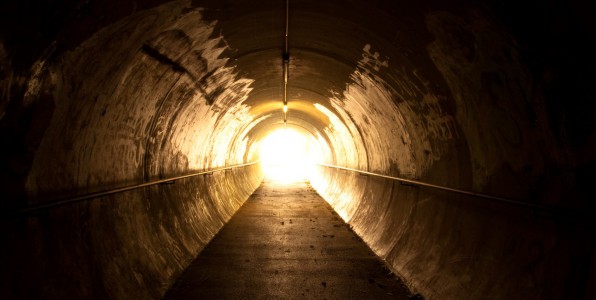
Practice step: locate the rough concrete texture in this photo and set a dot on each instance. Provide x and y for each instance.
(443, 244)
(126, 246)
(286, 242)
(477, 95)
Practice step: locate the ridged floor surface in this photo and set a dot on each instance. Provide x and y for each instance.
(286, 242)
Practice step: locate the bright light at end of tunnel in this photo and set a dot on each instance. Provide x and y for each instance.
(288, 156)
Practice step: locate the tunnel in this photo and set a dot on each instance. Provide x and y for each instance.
(456, 138)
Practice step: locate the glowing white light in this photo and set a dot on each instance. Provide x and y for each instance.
(285, 108)
(288, 156)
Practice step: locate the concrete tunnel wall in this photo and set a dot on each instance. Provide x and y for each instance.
(457, 94)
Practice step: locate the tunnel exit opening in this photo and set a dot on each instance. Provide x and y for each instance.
(289, 156)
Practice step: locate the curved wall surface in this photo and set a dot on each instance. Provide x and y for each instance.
(486, 97)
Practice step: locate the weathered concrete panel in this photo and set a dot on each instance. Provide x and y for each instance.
(454, 247)
(146, 98)
(128, 245)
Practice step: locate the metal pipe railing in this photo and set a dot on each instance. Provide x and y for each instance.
(448, 189)
(89, 196)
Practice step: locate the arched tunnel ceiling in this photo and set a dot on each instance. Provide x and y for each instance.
(380, 68)
(375, 68)
(330, 47)
(326, 41)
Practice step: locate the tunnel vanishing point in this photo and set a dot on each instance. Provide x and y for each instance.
(490, 97)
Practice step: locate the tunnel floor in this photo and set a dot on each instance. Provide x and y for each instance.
(286, 242)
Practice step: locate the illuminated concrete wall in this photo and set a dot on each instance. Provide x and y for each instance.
(486, 97)
(146, 98)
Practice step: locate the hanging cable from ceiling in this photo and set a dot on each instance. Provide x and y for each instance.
(286, 64)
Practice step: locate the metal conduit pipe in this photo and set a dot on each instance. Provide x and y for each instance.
(286, 62)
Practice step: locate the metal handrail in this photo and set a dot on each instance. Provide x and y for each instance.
(89, 196)
(443, 188)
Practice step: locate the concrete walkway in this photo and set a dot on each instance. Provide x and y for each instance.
(286, 242)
